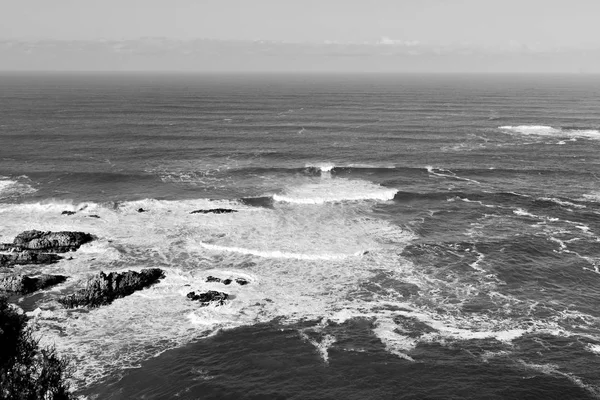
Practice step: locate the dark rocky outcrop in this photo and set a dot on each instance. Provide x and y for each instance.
(214, 211)
(43, 242)
(102, 289)
(206, 298)
(141, 210)
(27, 257)
(93, 216)
(239, 281)
(23, 284)
(67, 213)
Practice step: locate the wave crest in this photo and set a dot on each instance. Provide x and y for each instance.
(336, 190)
(12, 188)
(544, 130)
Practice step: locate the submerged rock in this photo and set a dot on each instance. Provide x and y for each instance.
(24, 284)
(54, 242)
(27, 257)
(102, 289)
(67, 213)
(214, 211)
(241, 281)
(206, 298)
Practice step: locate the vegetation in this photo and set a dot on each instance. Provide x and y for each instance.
(28, 371)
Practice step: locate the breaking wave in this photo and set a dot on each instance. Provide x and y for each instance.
(11, 188)
(543, 130)
(335, 190)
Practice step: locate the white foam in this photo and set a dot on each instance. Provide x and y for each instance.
(322, 346)
(279, 254)
(594, 348)
(562, 202)
(543, 130)
(553, 369)
(445, 173)
(323, 167)
(475, 264)
(396, 343)
(12, 188)
(335, 190)
(594, 196)
(520, 211)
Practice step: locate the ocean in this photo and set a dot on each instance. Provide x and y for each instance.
(403, 236)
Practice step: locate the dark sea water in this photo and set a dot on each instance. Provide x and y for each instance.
(404, 236)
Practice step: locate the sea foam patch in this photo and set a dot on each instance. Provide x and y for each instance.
(13, 188)
(543, 130)
(335, 190)
(302, 264)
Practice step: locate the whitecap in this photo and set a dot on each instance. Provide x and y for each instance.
(335, 190)
(12, 188)
(543, 130)
(279, 254)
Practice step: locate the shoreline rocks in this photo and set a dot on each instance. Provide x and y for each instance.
(24, 284)
(103, 289)
(214, 211)
(239, 281)
(27, 257)
(206, 298)
(47, 242)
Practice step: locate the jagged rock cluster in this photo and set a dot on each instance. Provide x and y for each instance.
(27, 257)
(103, 288)
(239, 281)
(214, 211)
(213, 296)
(37, 247)
(24, 284)
(206, 298)
(47, 242)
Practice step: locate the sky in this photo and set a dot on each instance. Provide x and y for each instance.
(507, 26)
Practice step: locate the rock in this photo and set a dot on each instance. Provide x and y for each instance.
(24, 284)
(141, 210)
(214, 211)
(239, 281)
(102, 289)
(54, 242)
(93, 216)
(27, 257)
(67, 213)
(212, 296)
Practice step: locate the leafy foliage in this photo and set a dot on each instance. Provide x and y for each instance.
(28, 371)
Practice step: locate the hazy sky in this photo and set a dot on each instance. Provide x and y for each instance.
(487, 22)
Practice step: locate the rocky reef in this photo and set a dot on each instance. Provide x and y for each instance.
(102, 289)
(239, 281)
(27, 257)
(24, 284)
(214, 211)
(206, 298)
(47, 242)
